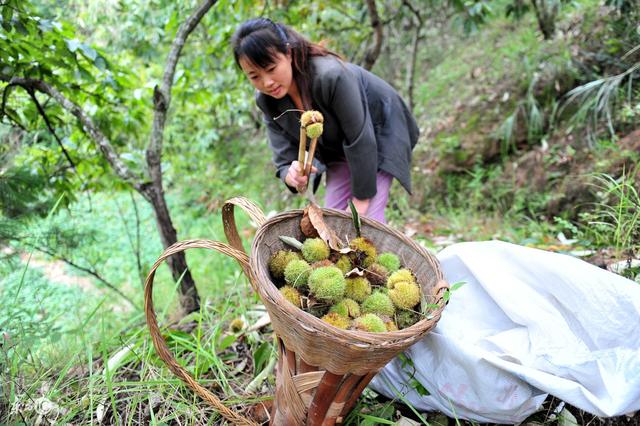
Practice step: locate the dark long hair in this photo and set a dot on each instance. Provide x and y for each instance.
(260, 39)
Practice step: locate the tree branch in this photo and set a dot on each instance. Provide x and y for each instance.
(87, 123)
(42, 112)
(162, 94)
(3, 108)
(414, 51)
(5, 96)
(133, 242)
(83, 269)
(374, 51)
(413, 10)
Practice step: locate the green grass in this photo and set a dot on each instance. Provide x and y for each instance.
(60, 336)
(107, 365)
(449, 82)
(614, 220)
(77, 373)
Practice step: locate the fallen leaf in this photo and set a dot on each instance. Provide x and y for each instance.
(259, 412)
(439, 420)
(326, 233)
(306, 226)
(620, 266)
(355, 272)
(405, 421)
(565, 418)
(264, 320)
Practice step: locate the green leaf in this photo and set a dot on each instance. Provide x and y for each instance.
(405, 361)
(291, 241)
(73, 45)
(54, 337)
(45, 25)
(261, 356)
(177, 334)
(226, 342)
(88, 51)
(565, 418)
(7, 14)
(419, 387)
(84, 74)
(456, 285)
(19, 26)
(376, 420)
(100, 63)
(356, 218)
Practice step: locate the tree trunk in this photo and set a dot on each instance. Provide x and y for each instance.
(414, 52)
(373, 51)
(189, 299)
(546, 12)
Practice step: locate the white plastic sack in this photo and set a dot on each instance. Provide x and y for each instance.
(527, 323)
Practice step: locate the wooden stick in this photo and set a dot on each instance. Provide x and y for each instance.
(323, 398)
(344, 392)
(302, 148)
(357, 391)
(301, 154)
(312, 150)
(351, 381)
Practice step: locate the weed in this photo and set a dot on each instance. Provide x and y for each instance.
(615, 219)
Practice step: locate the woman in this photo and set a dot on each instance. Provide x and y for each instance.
(368, 134)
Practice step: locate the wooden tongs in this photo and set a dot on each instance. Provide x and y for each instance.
(310, 126)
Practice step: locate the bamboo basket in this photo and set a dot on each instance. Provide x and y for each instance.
(322, 370)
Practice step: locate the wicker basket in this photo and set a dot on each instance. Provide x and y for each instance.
(321, 369)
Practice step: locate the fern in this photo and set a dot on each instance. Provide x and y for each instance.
(595, 100)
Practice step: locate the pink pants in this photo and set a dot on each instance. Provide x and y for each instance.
(338, 191)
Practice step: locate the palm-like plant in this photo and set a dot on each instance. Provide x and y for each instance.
(596, 98)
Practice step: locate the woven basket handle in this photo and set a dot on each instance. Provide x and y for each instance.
(439, 289)
(156, 335)
(229, 221)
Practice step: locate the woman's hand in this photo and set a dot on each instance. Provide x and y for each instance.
(295, 177)
(361, 205)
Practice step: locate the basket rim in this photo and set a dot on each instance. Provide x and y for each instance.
(388, 337)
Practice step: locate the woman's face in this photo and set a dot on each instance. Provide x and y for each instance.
(275, 80)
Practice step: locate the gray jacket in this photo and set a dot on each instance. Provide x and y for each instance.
(365, 122)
